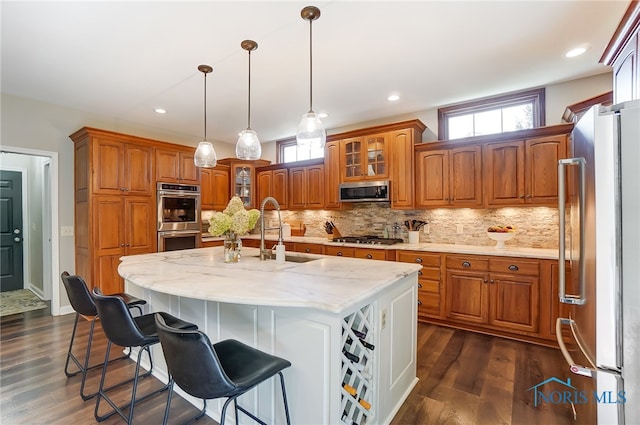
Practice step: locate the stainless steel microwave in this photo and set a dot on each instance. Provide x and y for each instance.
(366, 191)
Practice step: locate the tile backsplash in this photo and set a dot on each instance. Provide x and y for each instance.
(537, 227)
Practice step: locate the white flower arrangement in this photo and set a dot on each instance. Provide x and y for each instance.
(234, 219)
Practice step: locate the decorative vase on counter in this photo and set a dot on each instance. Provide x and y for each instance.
(232, 247)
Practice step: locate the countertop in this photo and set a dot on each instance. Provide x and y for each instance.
(509, 251)
(327, 283)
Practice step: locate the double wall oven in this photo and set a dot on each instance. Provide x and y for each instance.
(179, 225)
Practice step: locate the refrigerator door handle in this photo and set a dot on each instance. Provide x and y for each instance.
(564, 297)
(573, 366)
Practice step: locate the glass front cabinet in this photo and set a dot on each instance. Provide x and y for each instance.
(243, 179)
(366, 158)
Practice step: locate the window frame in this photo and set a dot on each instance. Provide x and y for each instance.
(536, 96)
(281, 145)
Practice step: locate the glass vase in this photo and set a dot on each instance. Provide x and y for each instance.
(232, 247)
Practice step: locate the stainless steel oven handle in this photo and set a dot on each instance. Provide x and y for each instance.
(575, 368)
(173, 194)
(562, 285)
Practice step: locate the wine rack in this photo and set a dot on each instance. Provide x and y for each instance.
(358, 360)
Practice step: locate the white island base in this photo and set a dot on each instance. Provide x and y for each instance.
(378, 300)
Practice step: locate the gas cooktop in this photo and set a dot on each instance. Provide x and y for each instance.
(370, 240)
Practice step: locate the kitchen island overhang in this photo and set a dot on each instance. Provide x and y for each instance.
(312, 313)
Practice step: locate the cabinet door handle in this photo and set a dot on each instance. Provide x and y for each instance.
(122, 189)
(420, 273)
(521, 196)
(419, 302)
(513, 268)
(466, 264)
(419, 260)
(492, 281)
(419, 285)
(122, 245)
(369, 256)
(340, 254)
(485, 280)
(528, 196)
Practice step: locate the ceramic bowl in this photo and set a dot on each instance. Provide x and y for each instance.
(500, 238)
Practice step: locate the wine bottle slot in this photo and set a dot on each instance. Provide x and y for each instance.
(367, 345)
(351, 356)
(359, 334)
(348, 388)
(364, 404)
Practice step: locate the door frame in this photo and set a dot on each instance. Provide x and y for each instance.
(54, 246)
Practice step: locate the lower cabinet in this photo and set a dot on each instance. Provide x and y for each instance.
(429, 282)
(496, 291)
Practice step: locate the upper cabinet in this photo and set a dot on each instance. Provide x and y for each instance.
(176, 166)
(242, 175)
(332, 175)
(622, 54)
(274, 183)
(508, 169)
(523, 172)
(306, 187)
(365, 158)
(214, 187)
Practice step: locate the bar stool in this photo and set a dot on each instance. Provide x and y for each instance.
(122, 329)
(83, 304)
(228, 368)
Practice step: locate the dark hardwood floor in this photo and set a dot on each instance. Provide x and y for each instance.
(465, 378)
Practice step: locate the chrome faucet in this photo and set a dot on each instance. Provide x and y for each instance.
(267, 252)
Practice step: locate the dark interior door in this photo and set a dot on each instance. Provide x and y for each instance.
(11, 273)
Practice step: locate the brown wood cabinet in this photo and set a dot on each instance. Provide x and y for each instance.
(449, 177)
(176, 166)
(429, 282)
(308, 248)
(274, 183)
(523, 171)
(495, 291)
(622, 54)
(242, 177)
(306, 187)
(115, 210)
(214, 188)
(401, 144)
(332, 169)
(365, 158)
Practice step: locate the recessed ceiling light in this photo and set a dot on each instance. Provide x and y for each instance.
(160, 111)
(575, 52)
(393, 98)
(323, 115)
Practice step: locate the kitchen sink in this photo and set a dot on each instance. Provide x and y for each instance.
(293, 258)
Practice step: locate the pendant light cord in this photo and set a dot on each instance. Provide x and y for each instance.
(205, 107)
(249, 96)
(311, 65)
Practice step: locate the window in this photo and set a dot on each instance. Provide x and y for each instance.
(497, 114)
(288, 151)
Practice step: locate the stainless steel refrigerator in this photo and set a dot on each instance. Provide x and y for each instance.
(599, 209)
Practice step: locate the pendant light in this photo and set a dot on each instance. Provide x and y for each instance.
(248, 145)
(205, 156)
(311, 132)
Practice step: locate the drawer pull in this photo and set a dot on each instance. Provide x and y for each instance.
(419, 302)
(369, 256)
(307, 250)
(419, 260)
(513, 268)
(466, 264)
(340, 254)
(419, 285)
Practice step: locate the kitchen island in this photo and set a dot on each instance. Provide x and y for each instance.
(337, 320)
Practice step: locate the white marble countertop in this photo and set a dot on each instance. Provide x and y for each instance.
(509, 251)
(328, 283)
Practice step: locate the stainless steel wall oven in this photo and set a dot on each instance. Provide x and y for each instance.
(179, 225)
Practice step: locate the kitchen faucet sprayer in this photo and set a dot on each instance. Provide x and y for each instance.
(264, 252)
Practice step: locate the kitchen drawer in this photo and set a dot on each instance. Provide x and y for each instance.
(429, 285)
(428, 303)
(429, 273)
(514, 266)
(370, 254)
(250, 243)
(339, 251)
(432, 260)
(309, 248)
(467, 262)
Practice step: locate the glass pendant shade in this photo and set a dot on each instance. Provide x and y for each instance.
(205, 156)
(248, 146)
(311, 132)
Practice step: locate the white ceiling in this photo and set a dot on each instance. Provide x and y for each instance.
(123, 59)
